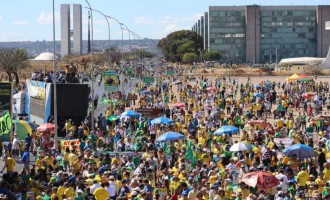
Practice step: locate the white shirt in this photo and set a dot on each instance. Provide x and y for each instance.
(94, 187)
(111, 191)
(15, 143)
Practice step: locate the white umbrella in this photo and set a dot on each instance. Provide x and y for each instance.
(240, 146)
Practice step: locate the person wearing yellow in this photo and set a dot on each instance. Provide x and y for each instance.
(101, 193)
(326, 171)
(55, 195)
(69, 192)
(320, 181)
(72, 157)
(302, 178)
(9, 164)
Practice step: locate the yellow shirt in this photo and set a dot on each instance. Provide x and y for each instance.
(321, 183)
(69, 192)
(10, 164)
(61, 190)
(302, 177)
(72, 157)
(326, 173)
(59, 197)
(101, 194)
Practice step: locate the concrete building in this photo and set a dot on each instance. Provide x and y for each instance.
(266, 34)
(206, 34)
(67, 32)
(77, 29)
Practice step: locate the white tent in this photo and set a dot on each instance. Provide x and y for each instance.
(47, 56)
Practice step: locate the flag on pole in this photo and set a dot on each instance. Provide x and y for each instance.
(190, 154)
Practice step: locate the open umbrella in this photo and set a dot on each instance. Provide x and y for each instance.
(260, 179)
(306, 79)
(177, 83)
(169, 136)
(257, 86)
(130, 113)
(22, 128)
(112, 118)
(258, 95)
(161, 120)
(301, 150)
(307, 95)
(179, 104)
(240, 146)
(46, 126)
(211, 88)
(228, 129)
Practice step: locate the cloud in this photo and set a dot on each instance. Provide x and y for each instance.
(20, 23)
(47, 18)
(170, 28)
(0, 17)
(142, 20)
(179, 20)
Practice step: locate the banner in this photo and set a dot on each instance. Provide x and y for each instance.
(130, 71)
(110, 81)
(148, 79)
(5, 97)
(150, 112)
(37, 89)
(286, 141)
(5, 123)
(67, 144)
(170, 72)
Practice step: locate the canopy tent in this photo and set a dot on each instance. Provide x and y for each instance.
(293, 77)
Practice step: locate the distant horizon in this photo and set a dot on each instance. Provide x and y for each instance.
(82, 40)
(22, 21)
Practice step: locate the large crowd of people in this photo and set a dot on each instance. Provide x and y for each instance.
(121, 158)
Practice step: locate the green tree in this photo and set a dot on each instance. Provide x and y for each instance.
(189, 58)
(211, 56)
(175, 45)
(12, 60)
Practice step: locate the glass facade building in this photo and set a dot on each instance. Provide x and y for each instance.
(263, 34)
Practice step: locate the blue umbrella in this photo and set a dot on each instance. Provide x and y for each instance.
(161, 120)
(301, 150)
(168, 136)
(226, 130)
(258, 95)
(130, 113)
(257, 86)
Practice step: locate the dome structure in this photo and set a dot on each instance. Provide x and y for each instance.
(47, 56)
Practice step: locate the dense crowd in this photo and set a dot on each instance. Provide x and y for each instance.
(121, 158)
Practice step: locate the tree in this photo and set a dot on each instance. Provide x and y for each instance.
(189, 58)
(175, 45)
(12, 60)
(211, 56)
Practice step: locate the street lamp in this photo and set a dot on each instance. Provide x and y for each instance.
(200, 55)
(122, 35)
(106, 18)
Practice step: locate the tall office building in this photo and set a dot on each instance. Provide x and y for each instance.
(67, 33)
(77, 29)
(65, 30)
(264, 34)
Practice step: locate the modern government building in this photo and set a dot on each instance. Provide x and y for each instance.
(265, 34)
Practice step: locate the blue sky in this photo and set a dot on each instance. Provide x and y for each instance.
(31, 20)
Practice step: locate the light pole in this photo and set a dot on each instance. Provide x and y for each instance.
(54, 82)
(122, 35)
(200, 55)
(106, 18)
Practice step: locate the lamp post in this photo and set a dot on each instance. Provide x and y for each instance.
(106, 18)
(54, 82)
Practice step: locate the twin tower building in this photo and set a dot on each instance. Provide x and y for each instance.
(69, 46)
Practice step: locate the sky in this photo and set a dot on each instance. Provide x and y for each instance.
(31, 20)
